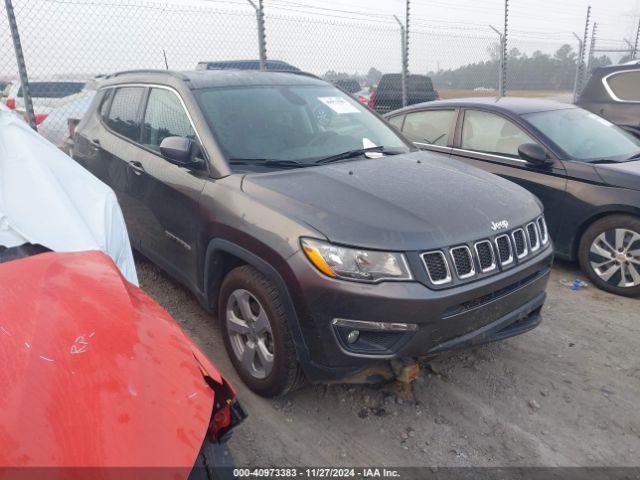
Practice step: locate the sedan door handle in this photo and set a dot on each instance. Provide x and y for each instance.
(137, 167)
(95, 142)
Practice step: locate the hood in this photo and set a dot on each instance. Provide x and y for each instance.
(405, 202)
(623, 174)
(94, 372)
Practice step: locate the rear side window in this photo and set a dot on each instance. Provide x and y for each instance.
(124, 114)
(390, 82)
(53, 89)
(419, 83)
(626, 85)
(490, 133)
(165, 117)
(104, 106)
(430, 127)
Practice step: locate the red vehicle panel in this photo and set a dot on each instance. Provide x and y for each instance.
(94, 373)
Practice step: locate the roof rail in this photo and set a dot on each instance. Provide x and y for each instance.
(147, 70)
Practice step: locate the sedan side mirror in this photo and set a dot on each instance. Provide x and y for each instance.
(177, 150)
(534, 153)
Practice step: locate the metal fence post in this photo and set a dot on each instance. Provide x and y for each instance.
(22, 67)
(404, 62)
(635, 44)
(578, 79)
(503, 56)
(262, 41)
(501, 59)
(592, 46)
(405, 65)
(577, 86)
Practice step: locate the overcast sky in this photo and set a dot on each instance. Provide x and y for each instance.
(78, 37)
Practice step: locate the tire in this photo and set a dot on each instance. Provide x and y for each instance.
(247, 294)
(609, 254)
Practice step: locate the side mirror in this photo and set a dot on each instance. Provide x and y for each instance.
(177, 150)
(534, 153)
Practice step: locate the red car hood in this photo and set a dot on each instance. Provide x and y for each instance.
(93, 372)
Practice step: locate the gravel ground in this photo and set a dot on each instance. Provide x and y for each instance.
(565, 394)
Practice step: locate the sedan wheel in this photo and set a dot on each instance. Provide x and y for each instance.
(614, 256)
(250, 333)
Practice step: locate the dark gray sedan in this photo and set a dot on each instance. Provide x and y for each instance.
(584, 169)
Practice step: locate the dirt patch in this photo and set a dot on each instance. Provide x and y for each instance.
(567, 393)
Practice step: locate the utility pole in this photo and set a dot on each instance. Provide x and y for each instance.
(22, 66)
(505, 34)
(500, 60)
(577, 86)
(262, 42)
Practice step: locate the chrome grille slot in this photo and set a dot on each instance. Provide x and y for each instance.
(505, 253)
(463, 262)
(534, 238)
(520, 243)
(486, 258)
(437, 267)
(542, 228)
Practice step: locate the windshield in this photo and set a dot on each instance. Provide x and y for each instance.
(291, 123)
(584, 136)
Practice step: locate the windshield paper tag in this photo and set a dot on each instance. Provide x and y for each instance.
(338, 105)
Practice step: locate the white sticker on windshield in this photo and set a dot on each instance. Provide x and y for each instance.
(338, 105)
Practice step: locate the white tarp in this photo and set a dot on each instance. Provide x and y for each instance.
(46, 198)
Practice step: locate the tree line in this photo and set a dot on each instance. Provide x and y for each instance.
(535, 71)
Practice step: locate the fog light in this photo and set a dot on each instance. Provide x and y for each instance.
(353, 335)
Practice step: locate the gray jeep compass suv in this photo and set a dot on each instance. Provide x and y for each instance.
(324, 240)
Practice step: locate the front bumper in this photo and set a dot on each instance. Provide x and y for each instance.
(487, 310)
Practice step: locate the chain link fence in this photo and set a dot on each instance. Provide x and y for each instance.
(69, 44)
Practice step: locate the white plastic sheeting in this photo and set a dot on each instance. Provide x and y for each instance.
(46, 198)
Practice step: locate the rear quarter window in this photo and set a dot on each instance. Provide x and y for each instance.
(625, 85)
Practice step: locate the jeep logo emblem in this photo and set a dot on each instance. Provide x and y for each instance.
(501, 225)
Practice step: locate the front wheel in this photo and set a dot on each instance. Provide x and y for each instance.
(610, 254)
(256, 334)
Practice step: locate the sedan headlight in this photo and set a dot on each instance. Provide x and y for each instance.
(355, 263)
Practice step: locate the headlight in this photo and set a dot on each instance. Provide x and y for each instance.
(355, 263)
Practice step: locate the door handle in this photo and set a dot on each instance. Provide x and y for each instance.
(137, 167)
(95, 142)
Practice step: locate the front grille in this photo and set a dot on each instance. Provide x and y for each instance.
(505, 254)
(520, 243)
(463, 262)
(542, 228)
(532, 233)
(486, 259)
(437, 267)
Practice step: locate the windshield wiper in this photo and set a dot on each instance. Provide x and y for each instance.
(606, 160)
(267, 162)
(355, 153)
(634, 157)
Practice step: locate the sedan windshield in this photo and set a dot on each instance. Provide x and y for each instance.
(292, 126)
(584, 136)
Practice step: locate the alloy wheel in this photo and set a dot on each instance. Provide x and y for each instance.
(250, 333)
(614, 256)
